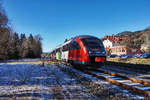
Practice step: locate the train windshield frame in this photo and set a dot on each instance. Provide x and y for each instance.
(92, 43)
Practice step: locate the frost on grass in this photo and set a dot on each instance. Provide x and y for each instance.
(31, 81)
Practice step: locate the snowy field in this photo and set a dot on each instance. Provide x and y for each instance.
(33, 81)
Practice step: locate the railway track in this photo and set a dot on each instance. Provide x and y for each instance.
(127, 82)
(138, 67)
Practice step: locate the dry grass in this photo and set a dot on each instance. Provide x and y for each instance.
(131, 60)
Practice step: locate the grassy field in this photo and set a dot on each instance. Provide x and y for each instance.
(131, 60)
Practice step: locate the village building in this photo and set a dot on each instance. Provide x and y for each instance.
(109, 44)
(123, 50)
(114, 38)
(112, 46)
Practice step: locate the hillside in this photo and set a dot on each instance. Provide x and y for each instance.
(135, 39)
(124, 33)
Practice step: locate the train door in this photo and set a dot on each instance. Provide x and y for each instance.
(65, 53)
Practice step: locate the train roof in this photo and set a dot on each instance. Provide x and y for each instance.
(61, 45)
(80, 37)
(86, 36)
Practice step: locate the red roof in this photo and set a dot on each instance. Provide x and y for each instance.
(113, 38)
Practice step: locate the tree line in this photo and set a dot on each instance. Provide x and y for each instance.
(15, 46)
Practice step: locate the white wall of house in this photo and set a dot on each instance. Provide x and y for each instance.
(107, 43)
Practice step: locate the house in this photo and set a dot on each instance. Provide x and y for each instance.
(108, 43)
(113, 38)
(120, 50)
(112, 46)
(123, 50)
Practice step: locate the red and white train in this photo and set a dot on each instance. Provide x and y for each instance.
(81, 50)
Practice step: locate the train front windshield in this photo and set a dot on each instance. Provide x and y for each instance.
(93, 44)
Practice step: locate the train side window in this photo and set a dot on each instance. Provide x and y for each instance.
(69, 46)
(63, 48)
(75, 45)
(66, 47)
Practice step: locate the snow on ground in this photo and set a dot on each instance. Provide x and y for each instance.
(33, 81)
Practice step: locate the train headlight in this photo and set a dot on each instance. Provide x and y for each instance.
(90, 52)
(103, 52)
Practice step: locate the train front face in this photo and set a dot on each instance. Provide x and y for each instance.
(95, 50)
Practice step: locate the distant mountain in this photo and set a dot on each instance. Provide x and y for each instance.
(135, 39)
(148, 28)
(124, 33)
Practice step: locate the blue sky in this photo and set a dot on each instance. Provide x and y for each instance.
(56, 20)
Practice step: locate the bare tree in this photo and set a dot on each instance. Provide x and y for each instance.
(5, 35)
(11, 46)
(3, 18)
(15, 46)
